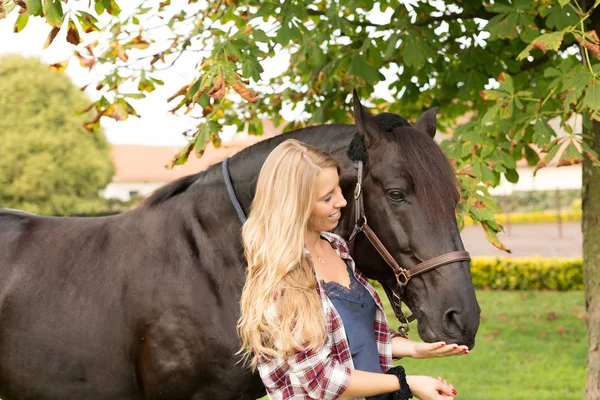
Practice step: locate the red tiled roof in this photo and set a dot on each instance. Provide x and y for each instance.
(139, 163)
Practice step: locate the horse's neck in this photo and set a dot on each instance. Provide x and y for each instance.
(245, 166)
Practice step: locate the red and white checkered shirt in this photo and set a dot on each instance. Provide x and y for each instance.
(325, 374)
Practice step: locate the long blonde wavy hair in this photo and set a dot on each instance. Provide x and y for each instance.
(280, 307)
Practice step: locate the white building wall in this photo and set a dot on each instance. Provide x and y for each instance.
(548, 178)
(126, 190)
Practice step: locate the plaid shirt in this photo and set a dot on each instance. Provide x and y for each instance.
(325, 373)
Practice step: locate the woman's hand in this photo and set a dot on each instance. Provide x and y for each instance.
(437, 349)
(428, 388)
(402, 347)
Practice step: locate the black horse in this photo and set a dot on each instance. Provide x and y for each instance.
(144, 305)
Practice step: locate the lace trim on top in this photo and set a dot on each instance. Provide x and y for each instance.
(355, 293)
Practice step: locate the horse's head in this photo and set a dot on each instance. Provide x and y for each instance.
(410, 196)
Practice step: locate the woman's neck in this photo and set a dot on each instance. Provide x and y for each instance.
(312, 239)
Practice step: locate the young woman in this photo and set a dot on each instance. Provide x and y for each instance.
(310, 322)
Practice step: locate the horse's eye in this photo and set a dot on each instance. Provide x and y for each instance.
(397, 196)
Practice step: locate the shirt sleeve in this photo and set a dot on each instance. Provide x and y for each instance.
(319, 374)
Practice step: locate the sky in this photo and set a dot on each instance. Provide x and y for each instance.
(156, 126)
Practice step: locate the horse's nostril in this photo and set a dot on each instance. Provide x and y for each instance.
(452, 322)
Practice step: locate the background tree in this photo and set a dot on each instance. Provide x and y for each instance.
(510, 65)
(49, 163)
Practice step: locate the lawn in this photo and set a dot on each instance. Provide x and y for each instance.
(530, 346)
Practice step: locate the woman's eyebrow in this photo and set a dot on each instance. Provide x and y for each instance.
(331, 191)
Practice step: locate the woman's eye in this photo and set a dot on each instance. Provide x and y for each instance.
(397, 196)
(327, 199)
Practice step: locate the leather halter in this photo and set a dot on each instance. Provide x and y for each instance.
(402, 275)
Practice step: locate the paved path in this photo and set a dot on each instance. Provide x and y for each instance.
(528, 240)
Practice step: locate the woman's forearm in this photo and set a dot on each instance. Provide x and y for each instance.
(402, 347)
(363, 384)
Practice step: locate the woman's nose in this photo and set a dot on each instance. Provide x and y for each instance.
(341, 202)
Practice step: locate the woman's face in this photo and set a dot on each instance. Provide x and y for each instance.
(326, 211)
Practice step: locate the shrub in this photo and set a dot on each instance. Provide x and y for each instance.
(530, 273)
(533, 217)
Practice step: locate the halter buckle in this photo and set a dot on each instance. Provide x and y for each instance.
(357, 191)
(402, 278)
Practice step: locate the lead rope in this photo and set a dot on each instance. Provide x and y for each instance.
(236, 204)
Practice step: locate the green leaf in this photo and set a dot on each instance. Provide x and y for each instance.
(260, 36)
(491, 113)
(492, 94)
(184, 154)
(392, 45)
(505, 159)
(21, 22)
(551, 72)
(592, 96)
(203, 135)
(571, 153)
(112, 7)
(531, 155)
(87, 22)
(563, 2)
(251, 68)
(416, 51)
(99, 7)
(506, 82)
(575, 84)
(545, 42)
(529, 29)
(34, 7)
(362, 69)
(504, 27)
(481, 214)
(53, 12)
(287, 32)
(512, 176)
(560, 18)
(542, 133)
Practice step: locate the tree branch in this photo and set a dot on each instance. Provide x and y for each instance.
(478, 13)
(481, 13)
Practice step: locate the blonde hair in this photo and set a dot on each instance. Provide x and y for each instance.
(280, 307)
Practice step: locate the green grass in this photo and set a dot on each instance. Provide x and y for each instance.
(530, 345)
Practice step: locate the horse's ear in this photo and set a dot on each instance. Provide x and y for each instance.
(365, 123)
(427, 122)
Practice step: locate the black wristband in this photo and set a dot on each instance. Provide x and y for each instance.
(404, 393)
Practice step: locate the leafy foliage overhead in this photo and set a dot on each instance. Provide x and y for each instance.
(510, 66)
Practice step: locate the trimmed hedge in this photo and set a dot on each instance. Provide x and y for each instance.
(529, 273)
(532, 217)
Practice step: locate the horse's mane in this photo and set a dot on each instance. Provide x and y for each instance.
(172, 189)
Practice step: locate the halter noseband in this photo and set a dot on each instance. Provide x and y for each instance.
(402, 275)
